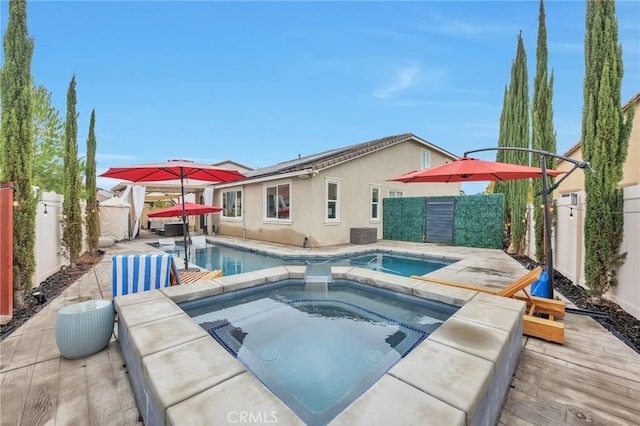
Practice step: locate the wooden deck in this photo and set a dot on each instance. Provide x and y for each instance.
(592, 379)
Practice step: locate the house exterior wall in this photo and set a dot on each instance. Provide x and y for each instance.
(308, 198)
(631, 170)
(631, 167)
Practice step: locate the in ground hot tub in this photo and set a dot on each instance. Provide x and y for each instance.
(318, 346)
(443, 371)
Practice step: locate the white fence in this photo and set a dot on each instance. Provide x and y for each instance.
(48, 242)
(568, 245)
(627, 294)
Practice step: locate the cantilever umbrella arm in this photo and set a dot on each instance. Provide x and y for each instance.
(544, 154)
(545, 196)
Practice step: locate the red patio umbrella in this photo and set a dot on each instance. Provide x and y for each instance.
(190, 209)
(468, 169)
(174, 169)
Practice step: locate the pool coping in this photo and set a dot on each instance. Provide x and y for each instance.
(458, 375)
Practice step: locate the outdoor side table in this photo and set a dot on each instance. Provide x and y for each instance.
(84, 328)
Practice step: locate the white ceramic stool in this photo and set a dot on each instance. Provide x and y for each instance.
(84, 328)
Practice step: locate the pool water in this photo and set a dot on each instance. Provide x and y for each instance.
(318, 346)
(236, 261)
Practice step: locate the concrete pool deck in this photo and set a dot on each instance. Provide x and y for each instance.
(593, 377)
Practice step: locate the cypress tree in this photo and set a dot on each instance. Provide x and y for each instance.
(90, 184)
(48, 129)
(514, 132)
(543, 135)
(519, 137)
(605, 139)
(501, 187)
(72, 217)
(16, 155)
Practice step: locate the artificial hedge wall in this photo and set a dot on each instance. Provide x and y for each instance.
(403, 219)
(478, 220)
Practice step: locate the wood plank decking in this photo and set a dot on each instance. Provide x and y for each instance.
(592, 379)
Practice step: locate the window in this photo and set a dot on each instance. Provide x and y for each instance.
(277, 202)
(232, 204)
(425, 159)
(375, 203)
(395, 193)
(333, 200)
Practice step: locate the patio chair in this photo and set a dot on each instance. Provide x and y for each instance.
(534, 325)
(198, 241)
(166, 243)
(137, 273)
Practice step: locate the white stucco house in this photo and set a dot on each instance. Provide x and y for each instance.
(315, 200)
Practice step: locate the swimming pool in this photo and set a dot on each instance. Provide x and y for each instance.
(318, 346)
(232, 261)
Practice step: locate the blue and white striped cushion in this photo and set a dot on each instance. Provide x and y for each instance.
(136, 273)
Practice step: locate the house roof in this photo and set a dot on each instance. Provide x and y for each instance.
(231, 162)
(336, 156)
(625, 107)
(635, 98)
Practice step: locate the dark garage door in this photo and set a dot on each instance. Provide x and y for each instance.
(439, 224)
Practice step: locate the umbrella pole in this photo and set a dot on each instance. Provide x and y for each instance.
(545, 196)
(185, 229)
(547, 226)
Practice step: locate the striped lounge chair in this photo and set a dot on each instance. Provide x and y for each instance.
(136, 273)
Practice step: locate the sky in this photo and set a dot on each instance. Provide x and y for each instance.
(260, 83)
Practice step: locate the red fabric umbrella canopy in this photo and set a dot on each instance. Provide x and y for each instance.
(172, 169)
(468, 169)
(190, 209)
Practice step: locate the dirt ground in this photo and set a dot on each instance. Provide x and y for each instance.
(48, 289)
(619, 322)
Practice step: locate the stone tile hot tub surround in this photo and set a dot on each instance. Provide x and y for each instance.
(459, 375)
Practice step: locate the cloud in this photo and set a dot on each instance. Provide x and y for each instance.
(411, 76)
(404, 79)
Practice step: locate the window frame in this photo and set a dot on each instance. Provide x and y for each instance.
(425, 164)
(395, 191)
(265, 206)
(336, 219)
(223, 214)
(377, 203)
